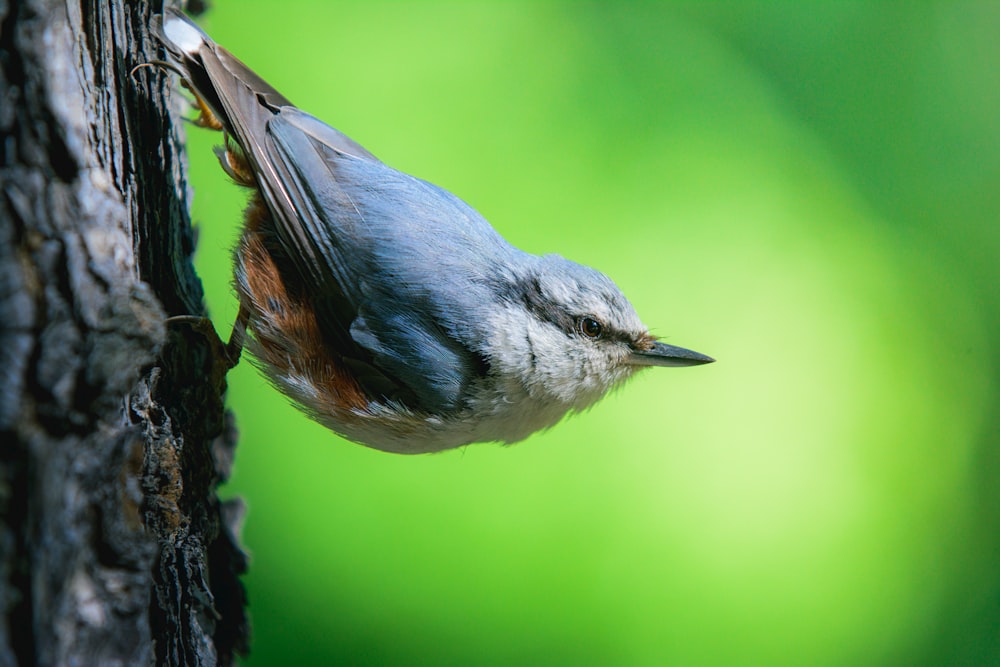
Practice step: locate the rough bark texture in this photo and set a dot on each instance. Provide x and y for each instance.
(114, 549)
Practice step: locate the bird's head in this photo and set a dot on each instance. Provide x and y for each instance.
(570, 335)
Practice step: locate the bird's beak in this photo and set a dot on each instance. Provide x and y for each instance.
(661, 354)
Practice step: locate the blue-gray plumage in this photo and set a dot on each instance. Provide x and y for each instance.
(384, 306)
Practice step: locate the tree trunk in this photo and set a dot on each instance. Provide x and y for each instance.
(114, 548)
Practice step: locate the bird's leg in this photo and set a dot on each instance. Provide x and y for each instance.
(230, 155)
(226, 355)
(235, 345)
(205, 118)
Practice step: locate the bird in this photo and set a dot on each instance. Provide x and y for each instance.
(385, 307)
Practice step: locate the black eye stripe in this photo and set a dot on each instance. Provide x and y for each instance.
(528, 292)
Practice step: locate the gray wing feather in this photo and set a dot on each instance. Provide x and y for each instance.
(364, 222)
(390, 262)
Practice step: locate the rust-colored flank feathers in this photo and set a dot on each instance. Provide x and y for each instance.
(287, 337)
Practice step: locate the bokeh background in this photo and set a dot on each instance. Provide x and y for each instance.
(806, 191)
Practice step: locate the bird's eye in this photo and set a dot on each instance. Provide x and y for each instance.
(590, 327)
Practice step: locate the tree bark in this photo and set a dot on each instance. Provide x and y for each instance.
(114, 548)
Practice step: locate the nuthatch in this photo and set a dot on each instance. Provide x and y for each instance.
(385, 307)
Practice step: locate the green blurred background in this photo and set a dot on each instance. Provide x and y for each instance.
(806, 191)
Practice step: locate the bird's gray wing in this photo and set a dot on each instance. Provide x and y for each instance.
(318, 183)
(370, 235)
